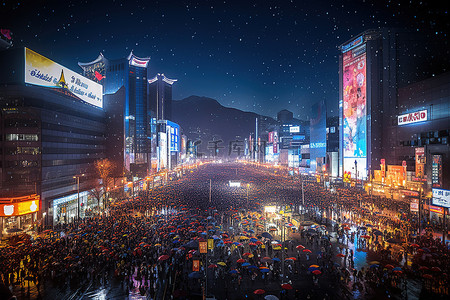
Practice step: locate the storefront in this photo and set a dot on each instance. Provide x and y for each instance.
(18, 214)
(65, 208)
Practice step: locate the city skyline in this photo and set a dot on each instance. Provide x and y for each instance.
(254, 57)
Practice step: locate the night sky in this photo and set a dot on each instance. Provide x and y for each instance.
(259, 56)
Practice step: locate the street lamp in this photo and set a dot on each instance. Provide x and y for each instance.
(78, 194)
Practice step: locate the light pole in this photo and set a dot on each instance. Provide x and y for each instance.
(248, 185)
(78, 194)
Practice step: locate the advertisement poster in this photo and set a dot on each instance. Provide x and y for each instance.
(441, 197)
(202, 247)
(42, 71)
(420, 162)
(195, 265)
(414, 205)
(354, 110)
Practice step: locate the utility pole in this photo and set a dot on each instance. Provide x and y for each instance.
(420, 211)
(77, 177)
(210, 191)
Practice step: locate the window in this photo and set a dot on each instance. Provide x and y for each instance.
(22, 137)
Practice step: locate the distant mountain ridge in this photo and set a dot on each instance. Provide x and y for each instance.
(205, 119)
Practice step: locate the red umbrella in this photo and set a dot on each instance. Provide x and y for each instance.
(291, 258)
(307, 250)
(389, 267)
(423, 268)
(212, 266)
(427, 276)
(286, 286)
(415, 245)
(299, 247)
(241, 260)
(436, 269)
(259, 292)
(246, 254)
(163, 257)
(316, 272)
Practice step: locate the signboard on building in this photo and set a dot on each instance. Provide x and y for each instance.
(270, 137)
(420, 162)
(19, 208)
(414, 117)
(436, 171)
(354, 114)
(294, 129)
(414, 205)
(275, 142)
(441, 197)
(44, 72)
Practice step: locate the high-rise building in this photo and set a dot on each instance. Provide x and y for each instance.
(52, 129)
(373, 68)
(131, 73)
(160, 95)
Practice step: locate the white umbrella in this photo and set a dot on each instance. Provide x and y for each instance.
(271, 297)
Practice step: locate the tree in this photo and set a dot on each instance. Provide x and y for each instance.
(105, 168)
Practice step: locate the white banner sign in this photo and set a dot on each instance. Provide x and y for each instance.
(441, 197)
(413, 117)
(42, 71)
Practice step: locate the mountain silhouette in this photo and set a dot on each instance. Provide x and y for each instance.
(205, 119)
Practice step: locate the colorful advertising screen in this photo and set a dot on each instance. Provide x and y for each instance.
(42, 71)
(354, 110)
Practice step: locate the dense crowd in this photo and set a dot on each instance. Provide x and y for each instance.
(148, 245)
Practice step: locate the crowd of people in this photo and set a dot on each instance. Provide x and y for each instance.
(149, 245)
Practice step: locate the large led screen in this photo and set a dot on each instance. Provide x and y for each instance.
(354, 110)
(42, 71)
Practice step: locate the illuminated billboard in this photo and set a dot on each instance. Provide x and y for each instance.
(294, 129)
(441, 197)
(354, 114)
(414, 117)
(44, 72)
(19, 208)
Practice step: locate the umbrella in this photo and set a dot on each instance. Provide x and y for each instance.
(240, 260)
(394, 241)
(267, 235)
(212, 266)
(286, 286)
(233, 272)
(246, 264)
(276, 259)
(163, 257)
(266, 258)
(390, 267)
(397, 269)
(271, 297)
(427, 276)
(436, 269)
(252, 267)
(221, 263)
(423, 268)
(314, 266)
(316, 272)
(259, 292)
(307, 250)
(310, 269)
(299, 247)
(291, 258)
(415, 245)
(264, 270)
(374, 266)
(374, 262)
(195, 275)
